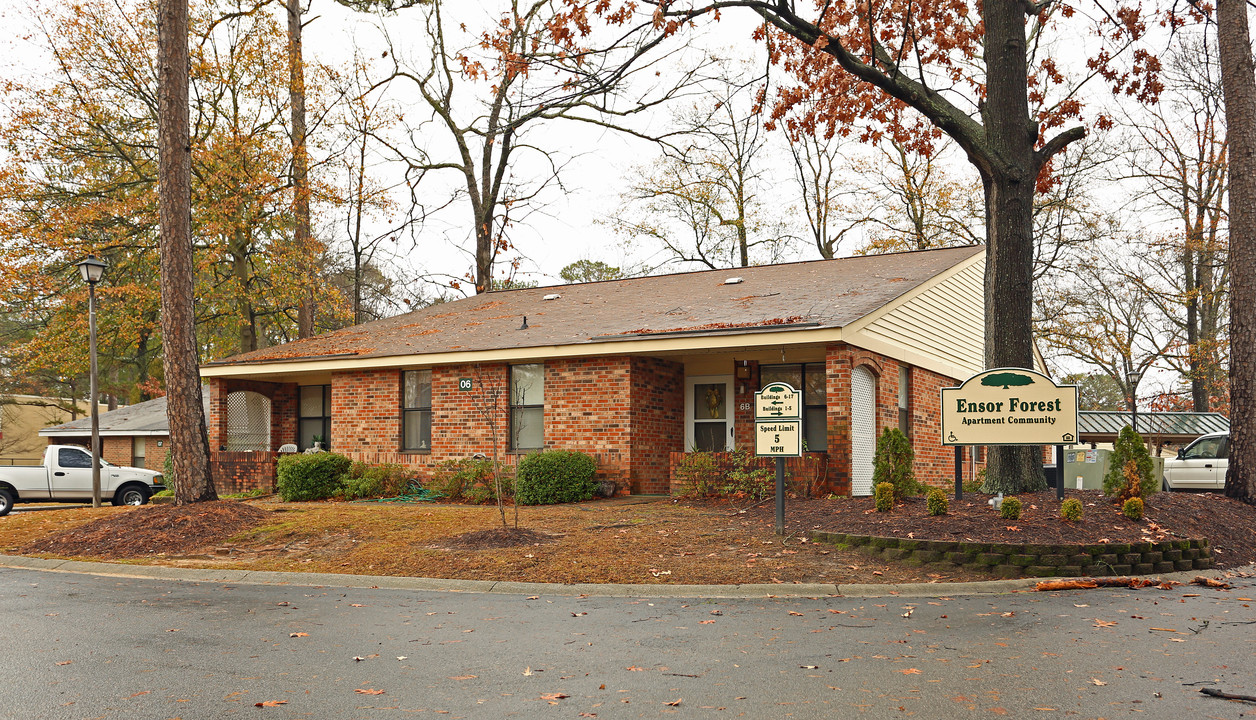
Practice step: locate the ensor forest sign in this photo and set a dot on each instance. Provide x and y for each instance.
(1009, 406)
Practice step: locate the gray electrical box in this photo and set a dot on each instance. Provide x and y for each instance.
(1084, 469)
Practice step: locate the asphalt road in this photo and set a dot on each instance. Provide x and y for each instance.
(84, 646)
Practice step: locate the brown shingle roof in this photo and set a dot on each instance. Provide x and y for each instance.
(821, 293)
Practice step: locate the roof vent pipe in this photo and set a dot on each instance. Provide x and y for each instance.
(524, 326)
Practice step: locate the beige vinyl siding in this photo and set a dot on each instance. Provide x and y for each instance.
(939, 327)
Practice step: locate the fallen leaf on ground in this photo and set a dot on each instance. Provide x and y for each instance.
(634, 668)
(65, 662)
(371, 691)
(298, 634)
(270, 703)
(705, 622)
(1104, 623)
(1098, 682)
(463, 677)
(674, 703)
(554, 696)
(910, 671)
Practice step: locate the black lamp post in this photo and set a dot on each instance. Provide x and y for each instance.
(1131, 378)
(92, 269)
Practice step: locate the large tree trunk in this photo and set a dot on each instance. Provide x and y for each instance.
(1239, 85)
(300, 163)
(1009, 189)
(184, 408)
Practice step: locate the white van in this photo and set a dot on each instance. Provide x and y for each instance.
(1202, 465)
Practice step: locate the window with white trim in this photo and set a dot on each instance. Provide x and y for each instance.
(527, 406)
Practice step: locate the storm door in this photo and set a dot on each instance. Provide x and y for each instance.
(709, 413)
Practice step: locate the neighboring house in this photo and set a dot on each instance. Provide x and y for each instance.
(22, 417)
(137, 435)
(635, 372)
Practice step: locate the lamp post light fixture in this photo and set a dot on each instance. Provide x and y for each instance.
(92, 269)
(1131, 378)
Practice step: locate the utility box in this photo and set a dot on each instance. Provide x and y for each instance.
(1085, 469)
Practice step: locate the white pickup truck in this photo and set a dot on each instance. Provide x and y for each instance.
(66, 476)
(1202, 465)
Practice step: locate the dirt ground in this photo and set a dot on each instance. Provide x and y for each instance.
(624, 540)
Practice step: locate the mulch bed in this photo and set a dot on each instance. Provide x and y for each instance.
(154, 529)
(495, 539)
(1229, 524)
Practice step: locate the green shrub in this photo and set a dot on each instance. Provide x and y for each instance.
(1133, 508)
(1124, 482)
(469, 479)
(893, 463)
(1011, 509)
(937, 502)
(883, 496)
(736, 474)
(167, 470)
(1071, 509)
(698, 475)
(555, 476)
(373, 481)
(973, 485)
(316, 476)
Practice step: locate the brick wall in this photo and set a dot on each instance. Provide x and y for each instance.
(628, 412)
(365, 411)
(658, 422)
(234, 472)
(283, 410)
(116, 450)
(934, 463)
(237, 472)
(625, 412)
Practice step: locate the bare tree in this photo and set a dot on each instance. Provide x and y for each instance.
(489, 395)
(921, 205)
(705, 200)
(1181, 157)
(1104, 320)
(184, 409)
(832, 204)
(482, 100)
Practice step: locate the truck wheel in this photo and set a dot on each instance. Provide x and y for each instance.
(6, 501)
(130, 495)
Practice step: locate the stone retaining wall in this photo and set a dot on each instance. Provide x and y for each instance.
(1010, 561)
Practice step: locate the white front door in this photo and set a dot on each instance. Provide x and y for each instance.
(709, 413)
(863, 430)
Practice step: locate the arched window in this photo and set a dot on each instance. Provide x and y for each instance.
(248, 421)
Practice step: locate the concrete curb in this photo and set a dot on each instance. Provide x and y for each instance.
(258, 577)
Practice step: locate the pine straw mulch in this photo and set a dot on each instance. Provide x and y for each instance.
(153, 529)
(623, 540)
(1229, 524)
(495, 539)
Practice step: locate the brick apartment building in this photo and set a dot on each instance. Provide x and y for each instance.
(634, 372)
(136, 435)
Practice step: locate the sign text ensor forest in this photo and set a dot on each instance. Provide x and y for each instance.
(1009, 406)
